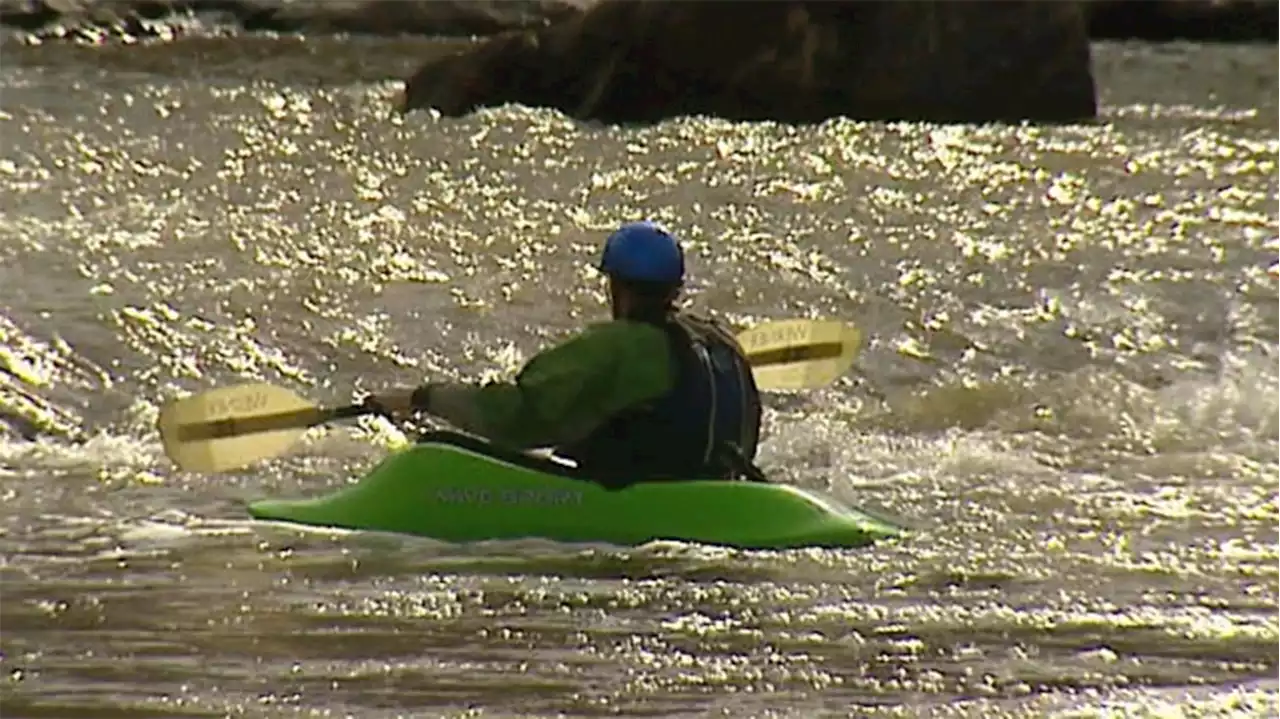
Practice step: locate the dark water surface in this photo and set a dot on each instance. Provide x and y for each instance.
(1069, 391)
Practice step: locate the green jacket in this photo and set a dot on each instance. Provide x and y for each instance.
(567, 391)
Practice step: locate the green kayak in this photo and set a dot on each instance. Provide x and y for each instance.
(455, 488)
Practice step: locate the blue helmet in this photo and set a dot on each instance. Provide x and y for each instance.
(643, 252)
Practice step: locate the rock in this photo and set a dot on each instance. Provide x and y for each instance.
(435, 17)
(1224, 20)
(791, 61)
(1235, 20)
(377, 17)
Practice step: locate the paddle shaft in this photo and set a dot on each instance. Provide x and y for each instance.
(197, 433)
(312, 416)
(297, 419)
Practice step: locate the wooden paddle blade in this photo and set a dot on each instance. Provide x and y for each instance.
(799, 354)
(231, 427)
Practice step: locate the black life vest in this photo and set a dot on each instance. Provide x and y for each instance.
(706, 427)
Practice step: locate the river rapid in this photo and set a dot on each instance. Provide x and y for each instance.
(1068, 392)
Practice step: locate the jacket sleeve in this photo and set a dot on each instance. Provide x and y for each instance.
(564, 393)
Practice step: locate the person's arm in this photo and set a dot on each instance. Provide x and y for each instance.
(563, 393)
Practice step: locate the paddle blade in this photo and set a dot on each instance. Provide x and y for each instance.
(231, 427)
(799, 354)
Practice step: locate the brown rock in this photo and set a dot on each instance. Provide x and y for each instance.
(376, 17)
(794, 61)
(1229, 20)
(1142, 19)
(399, 17)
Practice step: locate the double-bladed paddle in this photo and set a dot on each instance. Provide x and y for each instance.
(231, 427)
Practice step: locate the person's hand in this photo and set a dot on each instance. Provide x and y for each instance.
(397, 403)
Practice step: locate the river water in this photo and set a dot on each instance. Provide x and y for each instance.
(1068, 392)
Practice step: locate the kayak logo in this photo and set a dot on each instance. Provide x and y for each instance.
(785, 333)
(533, 497)
(236, 404)
(540, 496)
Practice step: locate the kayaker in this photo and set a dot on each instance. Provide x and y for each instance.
(656, 392)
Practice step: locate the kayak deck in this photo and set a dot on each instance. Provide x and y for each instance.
(456, 488)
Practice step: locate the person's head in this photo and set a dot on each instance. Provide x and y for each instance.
(645, 266)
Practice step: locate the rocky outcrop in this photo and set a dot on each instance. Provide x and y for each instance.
(1229, 20)
(450, 18)
(792, 61)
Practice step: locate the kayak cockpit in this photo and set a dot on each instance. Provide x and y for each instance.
(539, 462)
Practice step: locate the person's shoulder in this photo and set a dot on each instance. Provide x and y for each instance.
(600, 345)
(612, 337)
(625, 332)
(616, 346)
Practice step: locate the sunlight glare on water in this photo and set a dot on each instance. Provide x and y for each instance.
(1068, 392)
